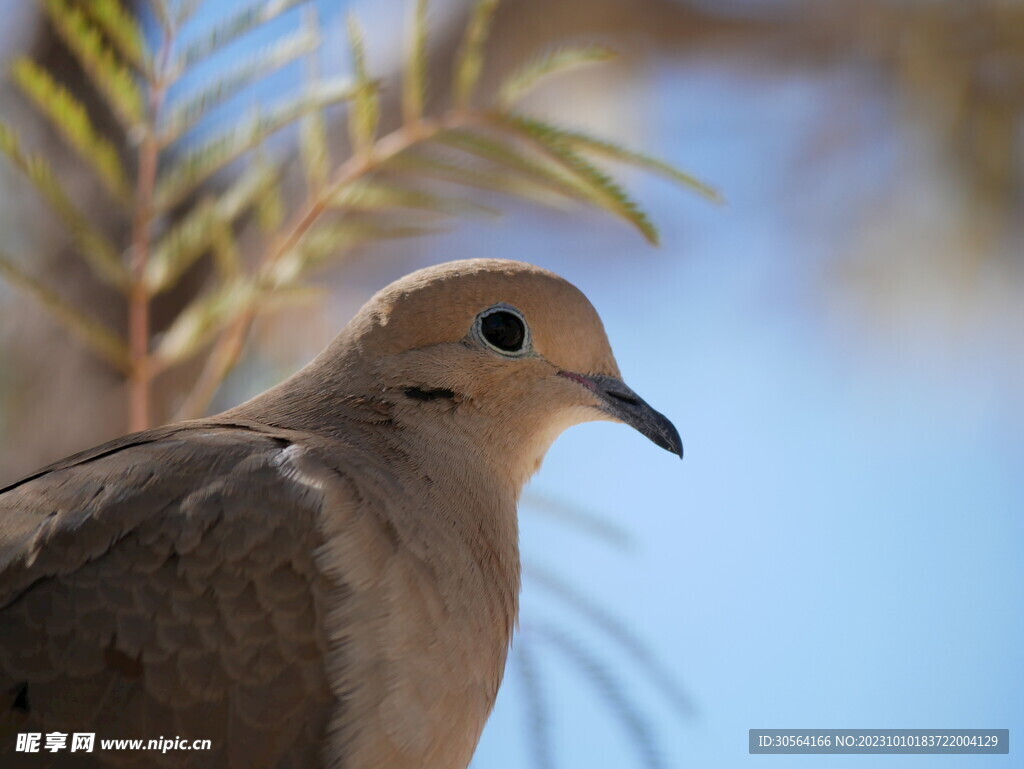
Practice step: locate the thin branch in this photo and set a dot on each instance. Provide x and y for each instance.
(219, 363)
(141, 380)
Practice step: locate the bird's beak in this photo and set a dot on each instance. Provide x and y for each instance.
(620, 402)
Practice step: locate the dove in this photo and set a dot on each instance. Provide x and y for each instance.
(324, 576)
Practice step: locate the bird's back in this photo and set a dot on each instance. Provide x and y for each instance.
(165, 587)
(293, 599)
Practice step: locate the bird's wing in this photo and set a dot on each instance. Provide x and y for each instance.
(166, 586)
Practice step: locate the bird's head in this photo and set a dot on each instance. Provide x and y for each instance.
(501, 348)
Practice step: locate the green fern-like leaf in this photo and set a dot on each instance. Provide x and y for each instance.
(238, 24)
(414, 91)
(199, 323)
(330, 241)
(535, 169)
(333, 239)
(194, 235)
(605, 192)
(470, 61)
(270, 207)
(201, 163)
(365, 111)
(580, 141)
(377, 195)
(100, 254)
(226, 256)
(108, 74)
(121, 29)
(313, 147)
(72, 121)
(316, 159)
(599, 188)
(554, 62)
(489, 177)
(254, 68)
(94, 334)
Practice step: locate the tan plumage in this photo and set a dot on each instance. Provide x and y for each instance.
(327, 575)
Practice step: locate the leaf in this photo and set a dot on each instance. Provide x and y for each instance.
(198, 323)
(94, 334)
(225, 252)
(598, 187)
(470, 61)
(270, 208)
(121, 29)
(333, 239)
(205, 317)
(581, 141)
(605, 193)
(72, 121)
(113, 80)
(198, 165)
(490, 177)
(313, 149)
(414, 91)
(377, 195)
(252, 69)
(509, 156)
(193, 236)
(98, 252)
(364, 114)
(559, 60)
(238, 24)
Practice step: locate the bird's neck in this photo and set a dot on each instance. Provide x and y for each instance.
(455, 465)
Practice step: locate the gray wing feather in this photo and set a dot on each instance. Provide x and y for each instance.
(165, 586)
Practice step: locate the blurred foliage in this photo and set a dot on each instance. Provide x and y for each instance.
(960, 70)
(955, 70)
(387, 187)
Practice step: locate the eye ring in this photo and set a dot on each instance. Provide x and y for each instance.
(504, 330)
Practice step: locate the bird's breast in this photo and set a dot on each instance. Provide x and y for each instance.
(420, 623)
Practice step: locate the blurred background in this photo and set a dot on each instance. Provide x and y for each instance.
(841, 346)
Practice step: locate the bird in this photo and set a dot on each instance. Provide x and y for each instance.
(326, 575)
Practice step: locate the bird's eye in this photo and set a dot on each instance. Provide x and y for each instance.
(503, 329)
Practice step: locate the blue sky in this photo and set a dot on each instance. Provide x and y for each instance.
(840, 546)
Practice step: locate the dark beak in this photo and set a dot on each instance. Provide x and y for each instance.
(621, 402)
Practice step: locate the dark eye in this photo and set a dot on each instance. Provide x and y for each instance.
(503, 329)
